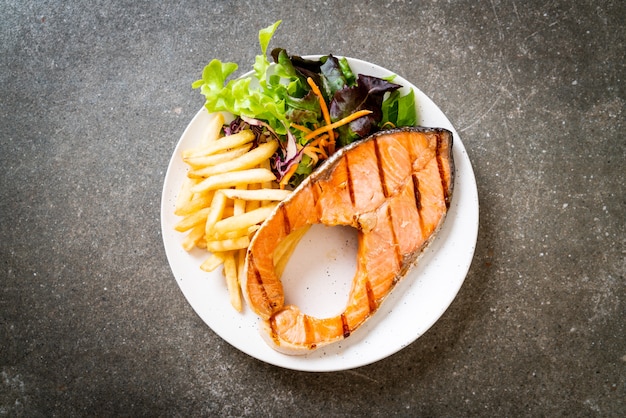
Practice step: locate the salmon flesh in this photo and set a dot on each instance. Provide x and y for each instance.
(395, 188)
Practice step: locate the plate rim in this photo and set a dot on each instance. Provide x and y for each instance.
(287, 361)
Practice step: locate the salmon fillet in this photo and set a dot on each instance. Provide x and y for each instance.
(395, 188)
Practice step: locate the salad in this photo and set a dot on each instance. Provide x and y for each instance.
(312, 106)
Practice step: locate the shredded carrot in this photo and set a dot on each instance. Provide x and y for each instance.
(318, 150)
(301, 128)
(337, 124)
(321, 140)
(316, 90)
(318, 93)
(325, 142)
(312, 154)
(285, 180)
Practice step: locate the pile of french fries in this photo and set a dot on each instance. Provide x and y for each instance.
(228, 192)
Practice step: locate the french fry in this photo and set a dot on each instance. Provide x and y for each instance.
(268, 184)
(239, 205)
(228, 192)
(192, 220)
(184, 195)
(224, 143)
(216, 212)
(258, 194)
(196, 234)
(226, 180)
(235, 233)
(228, 244)
(218, 158)
(213, 129)
(199, 201)
(241, 261)
(242, 221)
(213, 262)
(285, 249)
(232, 282)
(228, 210)
(248, 160)
(253, 204)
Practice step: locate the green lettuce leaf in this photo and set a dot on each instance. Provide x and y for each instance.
(399, 110)
(249, 96)
(261, 63)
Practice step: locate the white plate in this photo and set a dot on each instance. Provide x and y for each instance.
(412, 307)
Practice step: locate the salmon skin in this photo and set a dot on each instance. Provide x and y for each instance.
(395, 188)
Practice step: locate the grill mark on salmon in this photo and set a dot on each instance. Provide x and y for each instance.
(286, 222)
(308, 331)
(381, 171)
(418, 201)
(349, 180)
(396, 244)
(258, 282)
(416, 192)
(446, 197)
(395, 189)
(371, 298)
(345, 326)
(316, 193)
(272, 334)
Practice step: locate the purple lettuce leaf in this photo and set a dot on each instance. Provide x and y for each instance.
(368, 94)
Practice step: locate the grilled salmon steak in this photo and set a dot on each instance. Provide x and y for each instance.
(395, 188)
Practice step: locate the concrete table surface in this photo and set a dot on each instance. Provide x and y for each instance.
(95, 95)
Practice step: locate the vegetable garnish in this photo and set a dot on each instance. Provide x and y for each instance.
(313, 107)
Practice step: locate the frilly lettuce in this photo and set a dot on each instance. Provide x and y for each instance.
(277, 94)
(248, 96)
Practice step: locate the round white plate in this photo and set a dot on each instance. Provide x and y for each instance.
(322, 288)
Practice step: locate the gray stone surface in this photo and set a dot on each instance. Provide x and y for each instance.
(94, 96)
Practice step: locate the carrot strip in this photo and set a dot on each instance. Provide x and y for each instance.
(337, 124)
(287, 176)
(316, 90)
(312, 154)
(318, 150)
(320, 140)
(301, 128)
